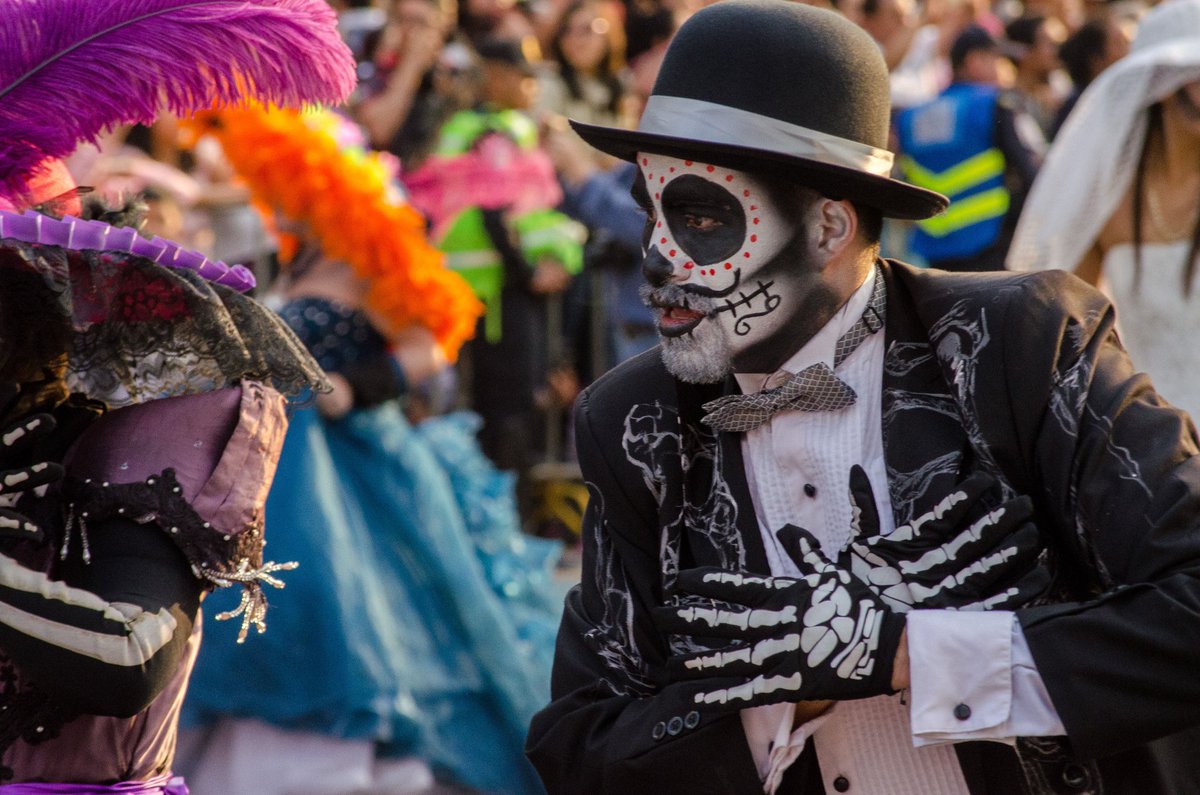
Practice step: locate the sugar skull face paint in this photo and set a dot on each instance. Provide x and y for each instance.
(725, 266)
(713, 225)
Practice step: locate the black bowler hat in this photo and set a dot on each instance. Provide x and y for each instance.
(775, 87)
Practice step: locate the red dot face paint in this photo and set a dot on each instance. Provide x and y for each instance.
(704, 223)
(701, 224)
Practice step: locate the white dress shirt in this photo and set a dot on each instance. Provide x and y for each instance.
(798, 467)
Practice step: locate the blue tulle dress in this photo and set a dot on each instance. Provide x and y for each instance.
(420, 616)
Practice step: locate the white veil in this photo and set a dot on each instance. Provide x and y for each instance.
(1091, 164)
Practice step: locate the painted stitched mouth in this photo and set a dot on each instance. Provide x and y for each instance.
(708, 292)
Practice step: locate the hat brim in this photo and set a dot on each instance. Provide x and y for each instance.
(895, 199)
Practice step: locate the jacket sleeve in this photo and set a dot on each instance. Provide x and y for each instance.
(1116, 469)
(108, 642)
(611, 727)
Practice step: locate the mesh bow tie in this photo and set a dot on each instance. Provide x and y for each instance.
(814, 388)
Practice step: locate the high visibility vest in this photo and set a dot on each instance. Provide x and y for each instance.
(948, 145)
(539, 233)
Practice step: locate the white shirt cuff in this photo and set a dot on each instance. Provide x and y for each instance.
(973, 678)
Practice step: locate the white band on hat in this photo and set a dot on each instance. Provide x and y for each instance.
(697, 120)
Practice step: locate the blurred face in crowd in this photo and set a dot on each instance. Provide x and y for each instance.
(884, 18)
(584, 39)
(1043, 56)
(980, 66)
(729, 271)
(414, 18)
(508, 86)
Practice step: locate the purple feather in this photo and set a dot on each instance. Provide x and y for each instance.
(71, 69)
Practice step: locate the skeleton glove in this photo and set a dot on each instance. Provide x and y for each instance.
(824, 635)
(958, 556)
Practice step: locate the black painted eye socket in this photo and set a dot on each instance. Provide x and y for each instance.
(706, 220)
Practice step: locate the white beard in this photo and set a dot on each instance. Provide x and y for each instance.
(703, 356)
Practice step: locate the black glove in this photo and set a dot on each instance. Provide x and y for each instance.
(958, 556)
(824, 635)
(18, 478)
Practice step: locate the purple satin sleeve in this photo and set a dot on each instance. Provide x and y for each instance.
(159, 785)
(223, 446)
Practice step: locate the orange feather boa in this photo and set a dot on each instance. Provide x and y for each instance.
(298, 163)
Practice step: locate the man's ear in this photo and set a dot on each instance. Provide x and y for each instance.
(836, 227)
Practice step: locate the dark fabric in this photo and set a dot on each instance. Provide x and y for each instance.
(336, 335)
(1018, 376)
(130, 563)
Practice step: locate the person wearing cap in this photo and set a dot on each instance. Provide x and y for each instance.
(505, 237)
(858, 526)
(969, 143)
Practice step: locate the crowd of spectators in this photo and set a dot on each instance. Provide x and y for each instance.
(441, 80)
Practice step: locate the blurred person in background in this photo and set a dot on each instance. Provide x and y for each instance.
(966, 144)
(401, 106)
(582, 76)
(911, 49)
(480, 20)
(490, 193)
(1118, 199)
(1040, 85)
(1097, 45)
(600, 199)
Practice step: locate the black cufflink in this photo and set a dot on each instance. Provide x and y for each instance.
(962, 712)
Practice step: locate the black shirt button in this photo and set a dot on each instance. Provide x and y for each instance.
(1076, 776)
(841, 784)
(962, 712)
(810, 490)
(692, 719)
(659, 730)
(675, 726)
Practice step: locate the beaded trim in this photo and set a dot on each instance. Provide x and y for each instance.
(219, 559)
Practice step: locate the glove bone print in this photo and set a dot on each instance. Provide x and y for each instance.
(821, 635)
(943, 559)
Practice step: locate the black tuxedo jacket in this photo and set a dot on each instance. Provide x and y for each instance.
(1019, 375)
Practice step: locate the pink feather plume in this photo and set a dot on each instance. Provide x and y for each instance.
(71, 69)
